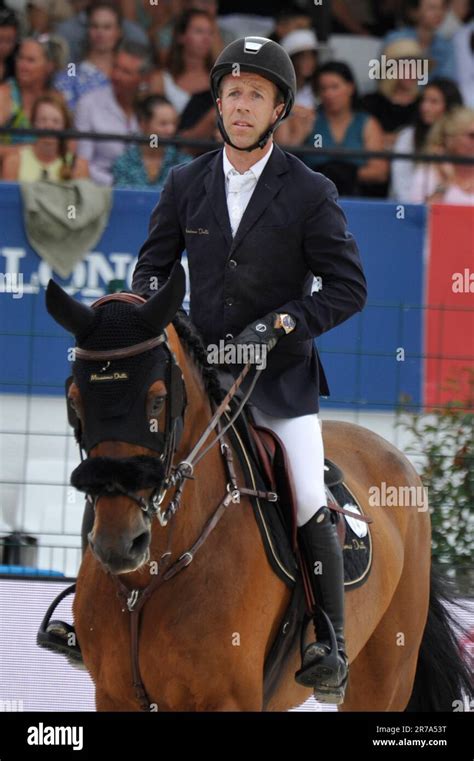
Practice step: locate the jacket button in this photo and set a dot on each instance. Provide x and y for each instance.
(228, 302)
(232, 264)
(229, 336)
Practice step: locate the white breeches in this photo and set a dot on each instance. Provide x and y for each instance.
(303, 441)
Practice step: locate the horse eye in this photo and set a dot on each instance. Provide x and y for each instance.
(157, 405)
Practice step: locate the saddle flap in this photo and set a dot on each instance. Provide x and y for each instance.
(265, 446)
(277, 470)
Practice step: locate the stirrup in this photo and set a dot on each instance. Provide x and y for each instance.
(324, 667)
(55, 638)
(324, 671)
(53, 635)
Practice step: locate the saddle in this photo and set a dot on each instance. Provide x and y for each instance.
(274, 464)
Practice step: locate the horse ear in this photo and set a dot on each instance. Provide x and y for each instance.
(71, 314)
(160, 309)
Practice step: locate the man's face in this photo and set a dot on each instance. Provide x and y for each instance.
(247, 107)
(126, 74)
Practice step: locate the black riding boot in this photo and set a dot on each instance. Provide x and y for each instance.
(59, 636)
(324, 668)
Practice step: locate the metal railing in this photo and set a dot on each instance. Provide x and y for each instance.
(206, 145)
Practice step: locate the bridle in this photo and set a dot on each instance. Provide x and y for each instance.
(176, 403)
(176, 476)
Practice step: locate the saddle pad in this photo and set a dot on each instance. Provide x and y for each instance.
(357, 542)
(274, 524)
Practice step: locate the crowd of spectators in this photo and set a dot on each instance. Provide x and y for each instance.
(135, 67)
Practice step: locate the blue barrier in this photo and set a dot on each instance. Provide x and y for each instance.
(26, 570)
(360, 356)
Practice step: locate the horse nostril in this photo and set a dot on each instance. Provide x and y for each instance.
(140, 543)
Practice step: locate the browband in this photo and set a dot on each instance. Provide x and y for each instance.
(128, 298)
(128, 351)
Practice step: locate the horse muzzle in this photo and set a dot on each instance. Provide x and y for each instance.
(120, 539)
(121, 553)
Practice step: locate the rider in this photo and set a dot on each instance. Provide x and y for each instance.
(252, 267)
(257, 224)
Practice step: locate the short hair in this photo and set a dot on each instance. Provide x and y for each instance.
(136, 50)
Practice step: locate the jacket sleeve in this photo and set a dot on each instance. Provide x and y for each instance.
(163, 247)
(332, 255)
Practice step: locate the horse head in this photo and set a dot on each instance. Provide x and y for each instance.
(126, 400)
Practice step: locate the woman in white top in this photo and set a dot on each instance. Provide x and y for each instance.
(439, 98)
(185, 81)
(448, 183)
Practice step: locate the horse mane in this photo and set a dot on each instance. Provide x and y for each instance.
(194, 345)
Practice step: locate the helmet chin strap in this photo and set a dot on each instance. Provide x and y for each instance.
(260, 143)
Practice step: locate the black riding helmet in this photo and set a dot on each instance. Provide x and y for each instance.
(261, 56)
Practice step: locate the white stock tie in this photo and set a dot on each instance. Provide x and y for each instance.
(240, 189)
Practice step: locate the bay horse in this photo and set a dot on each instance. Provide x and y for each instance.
(206, 630)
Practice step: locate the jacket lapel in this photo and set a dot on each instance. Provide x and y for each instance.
(214, 184)
(267, 187)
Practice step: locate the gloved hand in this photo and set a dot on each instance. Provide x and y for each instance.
(261, 332)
